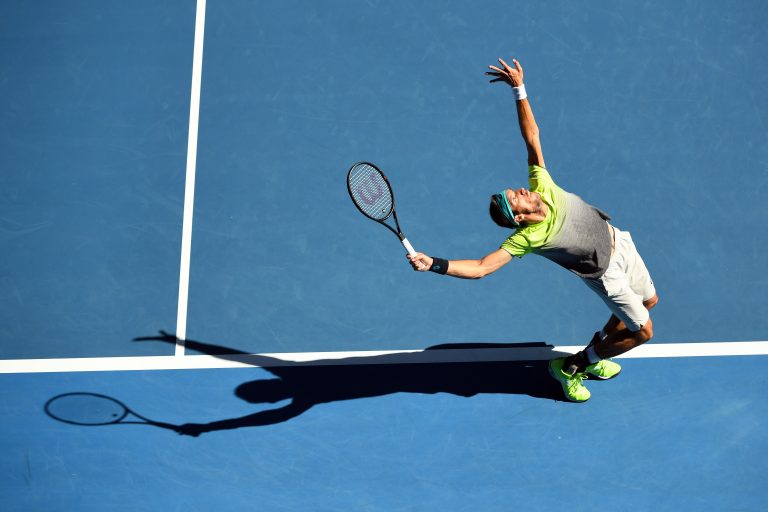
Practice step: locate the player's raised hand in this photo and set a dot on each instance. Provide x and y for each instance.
(506, 73)
(420, 262)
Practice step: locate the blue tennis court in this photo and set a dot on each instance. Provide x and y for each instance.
(165, 171)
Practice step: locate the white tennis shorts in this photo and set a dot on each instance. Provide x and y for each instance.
(626, 283)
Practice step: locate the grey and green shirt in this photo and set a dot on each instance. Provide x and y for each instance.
(574, 234)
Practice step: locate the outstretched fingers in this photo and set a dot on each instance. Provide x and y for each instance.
(505, 72)
(506, 66)
(498, 75)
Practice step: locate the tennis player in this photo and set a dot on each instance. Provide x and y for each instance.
(560, 226)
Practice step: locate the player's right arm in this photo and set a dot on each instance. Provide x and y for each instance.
(528, 127)
(465, 269)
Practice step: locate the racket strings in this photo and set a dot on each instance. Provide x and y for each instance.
(370, 192)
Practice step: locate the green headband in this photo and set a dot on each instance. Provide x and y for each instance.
(506, 209)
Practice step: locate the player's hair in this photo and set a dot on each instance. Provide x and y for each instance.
(494, 210)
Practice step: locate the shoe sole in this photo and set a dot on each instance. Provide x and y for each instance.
(549, 369)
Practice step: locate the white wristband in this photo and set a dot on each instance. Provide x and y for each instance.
(519, 92)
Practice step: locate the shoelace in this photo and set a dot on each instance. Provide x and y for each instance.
(575, 381)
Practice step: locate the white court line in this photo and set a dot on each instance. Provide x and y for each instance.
(196, 362)
(189, 188)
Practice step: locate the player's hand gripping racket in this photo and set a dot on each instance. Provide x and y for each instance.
(372, 194)
(91, 409)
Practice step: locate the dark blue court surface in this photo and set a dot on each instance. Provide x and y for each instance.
(653, 111)
(669, 433)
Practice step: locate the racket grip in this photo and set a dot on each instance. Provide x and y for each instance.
(408, 246)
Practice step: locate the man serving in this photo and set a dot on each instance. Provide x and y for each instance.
(561, 227)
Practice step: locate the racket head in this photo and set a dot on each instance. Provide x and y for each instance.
(370, 191)
(88, 409)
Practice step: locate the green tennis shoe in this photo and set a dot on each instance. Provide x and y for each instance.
(603, 370)
(572, 385)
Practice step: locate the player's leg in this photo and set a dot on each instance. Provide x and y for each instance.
(623, 340)
(631, 327)
(572, 370)
(615, 324)
(624, 330)
(628, 291)
(606, 369)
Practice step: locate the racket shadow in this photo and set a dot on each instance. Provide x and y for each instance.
(88, 409)
(456, 369)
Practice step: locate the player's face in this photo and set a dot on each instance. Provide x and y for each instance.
(523, 200)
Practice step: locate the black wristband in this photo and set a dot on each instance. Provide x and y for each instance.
(439, 266)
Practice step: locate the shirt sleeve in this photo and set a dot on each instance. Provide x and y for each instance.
(539, 178)
(517, 244)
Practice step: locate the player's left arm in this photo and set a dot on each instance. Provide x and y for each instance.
(465, 269)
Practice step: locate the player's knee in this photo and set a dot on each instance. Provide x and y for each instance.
(645, 333)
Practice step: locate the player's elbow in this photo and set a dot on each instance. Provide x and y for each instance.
(476, 271)
(531, 135)
(491, 263)
(482, 271)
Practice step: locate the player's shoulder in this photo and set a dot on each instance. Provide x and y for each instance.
(517, 244)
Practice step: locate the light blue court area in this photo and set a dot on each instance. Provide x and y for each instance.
(653, 111)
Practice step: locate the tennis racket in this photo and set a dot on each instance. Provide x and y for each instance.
(91, 409)
(371, 192)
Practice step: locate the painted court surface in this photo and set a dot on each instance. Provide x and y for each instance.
(165, 171)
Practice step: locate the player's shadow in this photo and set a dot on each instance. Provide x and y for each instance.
(458, 369)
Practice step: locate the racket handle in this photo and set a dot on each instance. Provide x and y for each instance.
(408, 247)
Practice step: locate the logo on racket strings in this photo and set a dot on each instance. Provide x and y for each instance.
(366, 194)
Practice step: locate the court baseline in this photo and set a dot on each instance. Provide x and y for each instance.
(448, 355)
